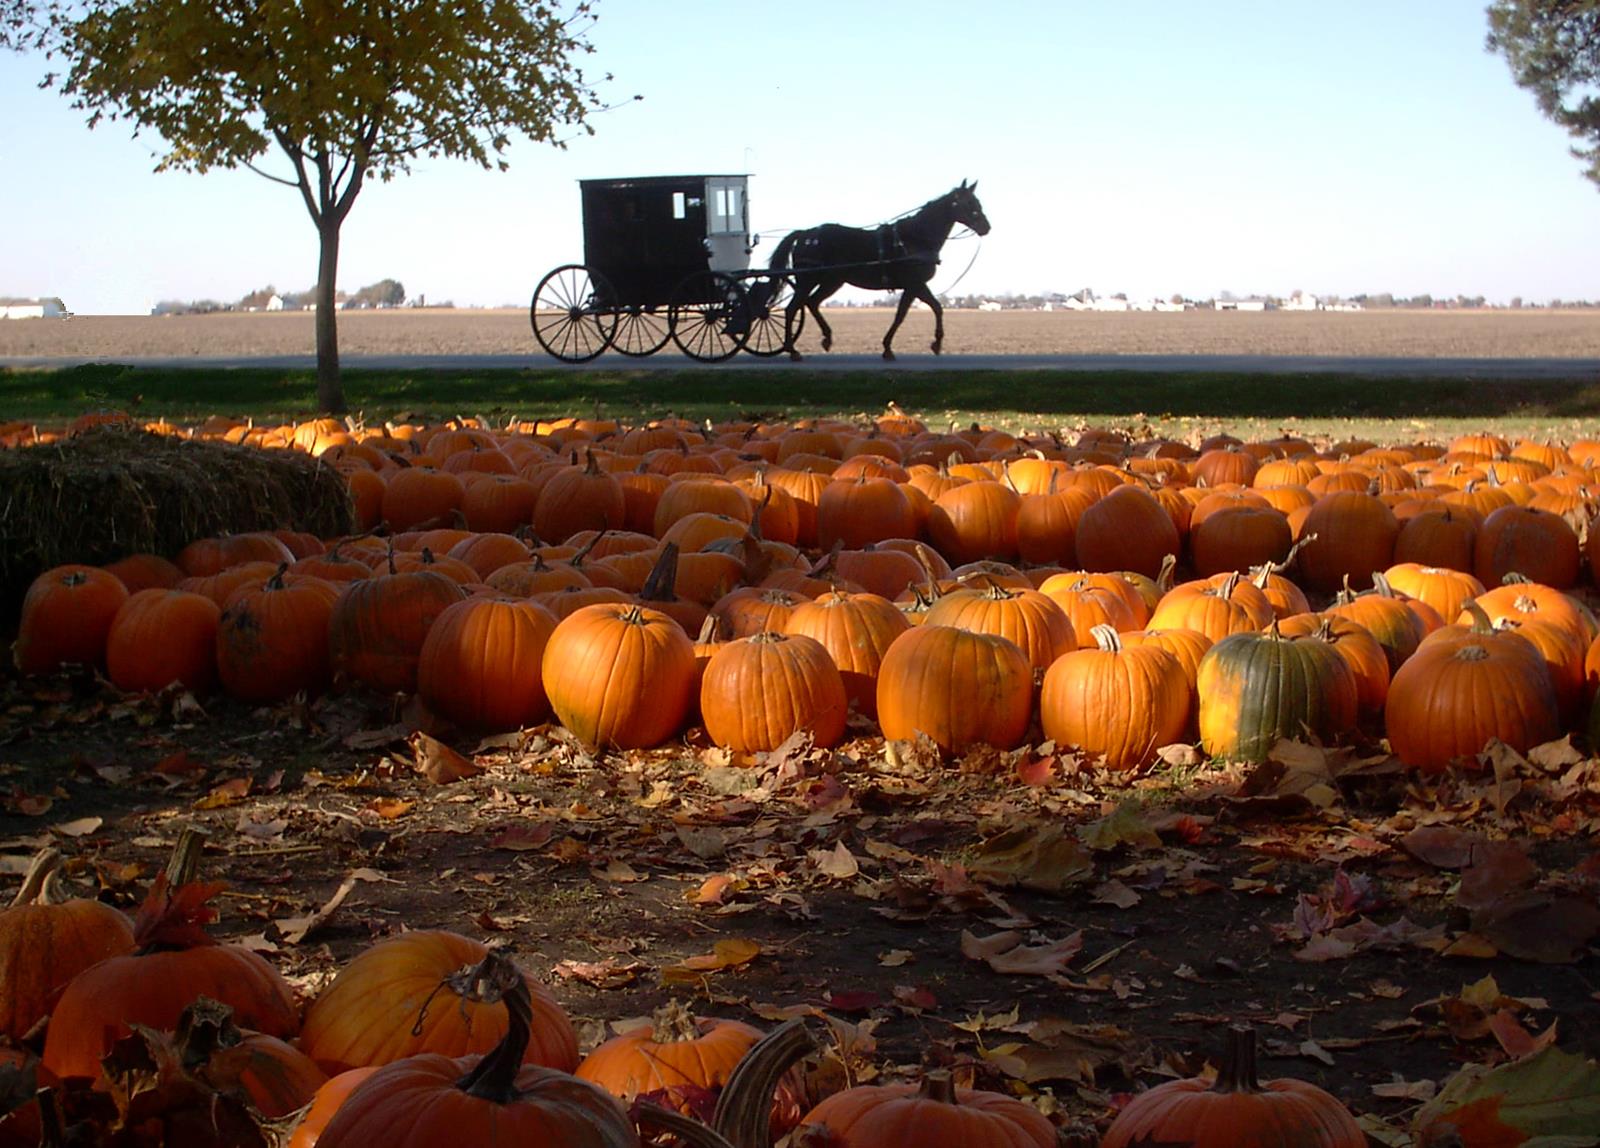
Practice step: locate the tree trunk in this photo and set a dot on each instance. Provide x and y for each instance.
(330, 391)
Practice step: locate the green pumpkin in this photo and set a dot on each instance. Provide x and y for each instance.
(1258, 687)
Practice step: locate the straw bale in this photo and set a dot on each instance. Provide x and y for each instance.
(113, 491)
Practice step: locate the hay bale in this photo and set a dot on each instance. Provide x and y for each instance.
(113, 491)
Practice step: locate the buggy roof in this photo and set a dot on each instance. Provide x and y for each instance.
(647, 180)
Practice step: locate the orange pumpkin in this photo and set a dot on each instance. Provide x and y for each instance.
(378, 1010)
(66, 618)
(163, 636)
(480, 664)
(1235, 1109)
(757, 691)
(933, 1113)
(378, 626)
(955, 687)
(856, 630)
(1122, 703)
(619, 675)
(272, 639)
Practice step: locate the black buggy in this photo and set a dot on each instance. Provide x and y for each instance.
(665, 258)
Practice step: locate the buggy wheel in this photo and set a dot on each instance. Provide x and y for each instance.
(641, 331)
(768, 301)
(708, 316)
(571, 313)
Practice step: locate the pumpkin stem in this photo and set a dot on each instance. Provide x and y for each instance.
(744, 1109)
(673, 1023)
(663, 577)
(184, 864)
(937, 1085)
(496, 978)
(1106, 638)
(40, 870)
(1237, 1073)
(652, 1119)
(1480, 617)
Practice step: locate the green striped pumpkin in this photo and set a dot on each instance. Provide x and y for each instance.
(1260, 686)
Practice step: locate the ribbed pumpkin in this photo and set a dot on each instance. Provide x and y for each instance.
(579, 498)
(1216, 607)
(145, 571)
(176, 963)
(1444, 589)
(1031, 620)
(1465, 685)
(480, 665)
(66, 617)
(272, 639)
(1047, 524)
(1348, 534)
(1126, 530)
(1122, 703)
(619, 675)
(1238, 538)
(1537, 544)
(1235, 1110)
(502, 1098)
(1386, 616)
(163, 636)
(757, 691)
(1256, 688)
(956, 687)
(420, 496)
(374, 1010)
(975, 520)
(683, 1062)
(1520, 600)
(378, 626)
(752, 610)
(276, 1076)
(856, 512)
(44, 943)
(932, 1113)
(856, 630)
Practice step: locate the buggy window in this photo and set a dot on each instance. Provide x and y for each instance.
(727, 214)
(678, 207)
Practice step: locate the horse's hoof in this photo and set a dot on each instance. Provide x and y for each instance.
(935, 348)
(827, 343)
(888, 355)
(795, 357)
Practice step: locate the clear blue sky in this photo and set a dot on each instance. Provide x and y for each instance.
(1171, 146)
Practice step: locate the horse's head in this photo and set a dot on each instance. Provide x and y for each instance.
(966, 209)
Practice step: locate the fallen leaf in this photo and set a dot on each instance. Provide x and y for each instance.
(1042, 857)
(389, 808)
(523, 836)
(727, 954)
(81, 827)
(837, 863)
(1548, 927)
(1554, 1095)
(293, 930)
(1006, 954)
(1114, 892)
(438, 762)
(619, 872)
(1517, 1041)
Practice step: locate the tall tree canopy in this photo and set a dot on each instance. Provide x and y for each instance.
(343, 90)
(1553, 47)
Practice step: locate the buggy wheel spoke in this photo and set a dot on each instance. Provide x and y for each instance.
(705, 315)
(572, 314)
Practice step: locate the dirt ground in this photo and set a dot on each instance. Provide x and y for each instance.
(1044, 927)
(1422, 334)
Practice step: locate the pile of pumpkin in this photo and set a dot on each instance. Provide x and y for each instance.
(762, 579)
(430, 1037)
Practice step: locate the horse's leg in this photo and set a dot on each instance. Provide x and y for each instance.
(797, 300)
(925, 293)
(899, 317)
(814, 305)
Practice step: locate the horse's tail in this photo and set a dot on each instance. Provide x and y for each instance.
(780, 254)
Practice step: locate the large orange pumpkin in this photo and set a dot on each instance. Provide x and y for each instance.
(381, 1008)
(272, 639)
(856, 630)
(757, 691)
(1123, 703)
(163, 636)
(956, 687)
(378, 626)
(44, 944)
(1465, 685)
(480, 664)
(430, 1099)
(176, 963)
(933, 1113)
(619, 675)
(1236, 1109)
(66, 617)
(1034, 622)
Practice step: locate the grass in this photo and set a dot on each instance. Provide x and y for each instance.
(1173, 403)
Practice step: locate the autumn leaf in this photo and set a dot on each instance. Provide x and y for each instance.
(438, 762)
(1551, 1097)
(728, 954)
(1006, 954)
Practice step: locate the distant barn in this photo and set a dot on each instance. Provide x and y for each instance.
(32, 309)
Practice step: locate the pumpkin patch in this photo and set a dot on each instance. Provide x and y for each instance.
(1054, 742)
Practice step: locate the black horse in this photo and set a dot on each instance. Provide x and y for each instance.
(899, 256)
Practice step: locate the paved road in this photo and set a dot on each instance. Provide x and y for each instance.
(1500, 369)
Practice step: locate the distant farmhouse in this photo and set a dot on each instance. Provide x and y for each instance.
(33, 309)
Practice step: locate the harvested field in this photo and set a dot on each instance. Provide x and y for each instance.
(1405, 334)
